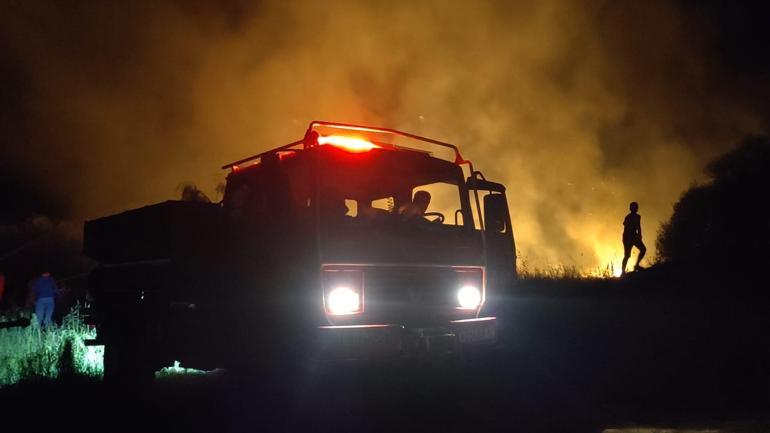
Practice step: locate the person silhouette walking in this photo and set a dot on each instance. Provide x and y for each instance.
(632, 236)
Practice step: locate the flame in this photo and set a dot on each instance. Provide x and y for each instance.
(351, 144)
(610, 256)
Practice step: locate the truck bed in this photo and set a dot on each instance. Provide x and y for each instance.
(154, 232)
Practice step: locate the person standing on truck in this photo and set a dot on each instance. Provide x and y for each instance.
(632, 236)
(44, 289)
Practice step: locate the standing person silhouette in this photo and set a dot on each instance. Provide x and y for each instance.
(632, 236)
(44, 287)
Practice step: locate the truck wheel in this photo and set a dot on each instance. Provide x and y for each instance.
(128, 362)
(276, 354)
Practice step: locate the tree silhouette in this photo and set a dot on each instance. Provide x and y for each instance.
(726, 221)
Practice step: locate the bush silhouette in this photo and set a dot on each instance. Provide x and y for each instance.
(724, 222)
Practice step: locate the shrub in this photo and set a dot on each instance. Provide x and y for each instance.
(726, 220)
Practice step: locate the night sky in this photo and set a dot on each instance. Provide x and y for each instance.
(579, 107)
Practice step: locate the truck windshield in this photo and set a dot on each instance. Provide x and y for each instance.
(437, 202)
(385, 185)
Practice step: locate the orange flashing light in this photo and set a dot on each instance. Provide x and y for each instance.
(351, 144)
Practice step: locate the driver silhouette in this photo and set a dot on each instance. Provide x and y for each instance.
(418, 206)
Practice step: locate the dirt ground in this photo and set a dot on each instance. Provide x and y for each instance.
(572, 361)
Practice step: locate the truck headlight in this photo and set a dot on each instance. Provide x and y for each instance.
(343, 300)
(468, 297)
(343, 290)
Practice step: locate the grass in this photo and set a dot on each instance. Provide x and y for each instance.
(33, 352)
(611, 269)
(566, 272)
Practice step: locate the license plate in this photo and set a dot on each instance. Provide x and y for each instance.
(360, 343)
(480, 332)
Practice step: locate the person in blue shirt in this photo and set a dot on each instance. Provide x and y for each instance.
(44, 288)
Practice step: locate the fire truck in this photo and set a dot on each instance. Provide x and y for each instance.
(354, 242)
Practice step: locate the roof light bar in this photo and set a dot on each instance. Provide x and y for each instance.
(351, 144)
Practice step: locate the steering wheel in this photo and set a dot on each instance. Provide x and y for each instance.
(439, 217)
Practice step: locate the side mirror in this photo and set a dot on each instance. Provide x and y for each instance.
(495, 213)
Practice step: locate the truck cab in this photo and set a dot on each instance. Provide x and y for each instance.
(363, 242)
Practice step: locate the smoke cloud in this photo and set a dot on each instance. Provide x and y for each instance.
(579, 107)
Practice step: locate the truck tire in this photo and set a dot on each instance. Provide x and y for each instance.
(128, 360)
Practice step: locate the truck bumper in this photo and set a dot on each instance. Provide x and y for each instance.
(382, 341)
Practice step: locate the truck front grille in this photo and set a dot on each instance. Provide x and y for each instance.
(412, 296)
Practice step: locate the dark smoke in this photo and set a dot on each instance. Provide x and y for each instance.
(580, 107)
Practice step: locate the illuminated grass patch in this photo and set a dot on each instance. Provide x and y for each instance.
(177, 370)
(27, 352)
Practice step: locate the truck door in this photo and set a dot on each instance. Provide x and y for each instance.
(500, 248)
